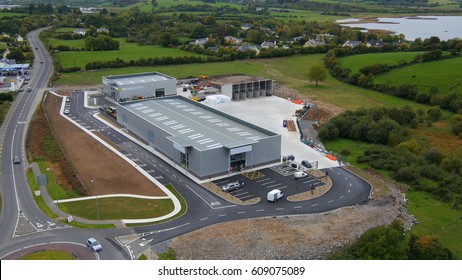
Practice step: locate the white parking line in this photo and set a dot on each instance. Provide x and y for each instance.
(245, 196)
(268, 183)
(274, 185)
(263, 180)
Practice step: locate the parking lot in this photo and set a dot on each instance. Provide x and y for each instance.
(259, 183)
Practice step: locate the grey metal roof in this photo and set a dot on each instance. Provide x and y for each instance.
(138, 78)
(196, 125)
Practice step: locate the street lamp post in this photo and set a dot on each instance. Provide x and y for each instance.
(97, 203)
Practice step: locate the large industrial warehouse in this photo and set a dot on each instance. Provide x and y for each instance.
(205, 142)
(138, 86)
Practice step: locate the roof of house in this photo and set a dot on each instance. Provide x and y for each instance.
(351, 43)
(192, 124)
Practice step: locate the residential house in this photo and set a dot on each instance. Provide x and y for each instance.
(18, 38)
(351, 44)
(233, 40)
(296, 39)
(249, 47)
(102, 30)
(246, 26)
(326, 37)
(375, 43)
(267, 45)
(80, 31)
(200, 42)
(311, 43)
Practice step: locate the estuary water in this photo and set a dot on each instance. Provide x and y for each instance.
(444, 27)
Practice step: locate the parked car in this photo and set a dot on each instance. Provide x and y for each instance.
(94, 244)
(232, 186)
(29, 89)
(300, 175)
(68, 99)
(306, 164)
(21, 90)
(66, 111)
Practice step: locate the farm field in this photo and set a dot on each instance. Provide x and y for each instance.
(291, 71)
(127, 51)
(442, 74)
(436, 219)
(355, 62)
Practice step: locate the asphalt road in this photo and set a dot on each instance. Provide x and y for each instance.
(22, 224)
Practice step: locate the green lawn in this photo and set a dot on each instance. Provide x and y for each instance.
(118, 208)
(127, 51)
(49, 255)
(355, 62)
(38, 199)
(444, 74)
(436, 219)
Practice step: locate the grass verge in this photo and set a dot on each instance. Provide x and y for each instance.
(38, 199)
(49, 255)
(183, 204)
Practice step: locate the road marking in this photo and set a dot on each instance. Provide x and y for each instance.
(278, 209)
(222, 215)
(296, 207)
(203, 219)
(142, 244)
(346, 178)
(260, 210)
(241, 212)
(215, 203)
(351, 185)
(263, 180)
(274, 185)
(268, 183)
(314, 204)
(349, 190)
(342, 196)
(330, 201)
(251, 195)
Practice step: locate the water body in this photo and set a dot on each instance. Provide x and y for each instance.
(444, 27)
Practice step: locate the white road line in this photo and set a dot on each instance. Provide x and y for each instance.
(263, 180)
(241, 212)
(203, 219)
(222, 215)
(330, 201)
(296, 207)
(314, 204)
(349, 190)
(260, 210)
(342, 196)
(351, 185)
(278, 209)
(268, 183)
(346, 178)
(274, 185)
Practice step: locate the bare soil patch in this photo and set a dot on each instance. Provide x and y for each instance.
(99, 169)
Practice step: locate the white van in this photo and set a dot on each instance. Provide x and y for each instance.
(274, 195)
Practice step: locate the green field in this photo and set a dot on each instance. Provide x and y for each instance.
(355, 62)
(292, 71)
(445, 74)
(127, 51)
(117, 208)
(49, 255)
(436, 219)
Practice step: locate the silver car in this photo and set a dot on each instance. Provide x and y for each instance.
(94, 244)
(232, 186)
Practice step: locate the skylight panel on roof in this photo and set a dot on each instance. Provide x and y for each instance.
(178, 126)
(136, 105)
(216, 145)
(162, 118)
(148, 111)
(214, 120)
(181, 106)
(195, 136)
(155, 115)
(142, 108)
(189, 109)
(233, 129)
(196, 113)
(203, 140)
(205, 117)
(222, 124)
(186, 131)
(170, 122)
